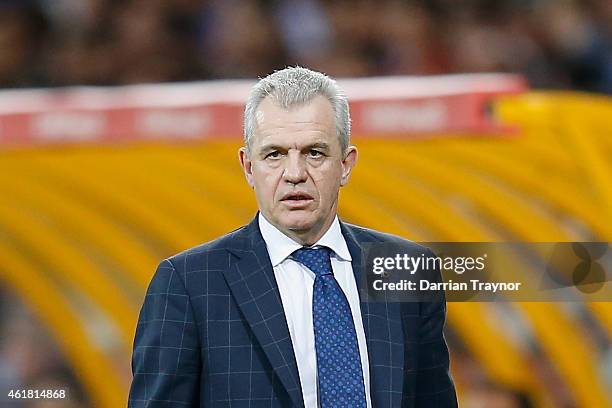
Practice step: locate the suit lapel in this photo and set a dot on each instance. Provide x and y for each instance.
(384, 335)
(253, 285)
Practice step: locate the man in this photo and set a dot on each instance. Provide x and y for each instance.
(270, 315)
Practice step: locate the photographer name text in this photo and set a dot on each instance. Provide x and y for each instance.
(426, 285)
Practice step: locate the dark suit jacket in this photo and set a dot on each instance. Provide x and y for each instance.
(212, 333)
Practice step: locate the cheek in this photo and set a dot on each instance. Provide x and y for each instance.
(328, 184)
(265, 181)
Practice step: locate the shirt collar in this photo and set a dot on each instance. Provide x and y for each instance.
(280, 246)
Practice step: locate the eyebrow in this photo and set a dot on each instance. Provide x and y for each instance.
(317, 145)
(270, 147)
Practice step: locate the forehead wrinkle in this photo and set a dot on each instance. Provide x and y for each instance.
(262, 118)
(270, 102)
(277, 123)
(282, 128)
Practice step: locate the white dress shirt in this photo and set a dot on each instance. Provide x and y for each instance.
(295, 282)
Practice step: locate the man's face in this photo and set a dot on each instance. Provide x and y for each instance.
(296, 167)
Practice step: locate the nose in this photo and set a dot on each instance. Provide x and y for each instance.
(295, 168)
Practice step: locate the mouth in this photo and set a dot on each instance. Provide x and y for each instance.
(297, 199)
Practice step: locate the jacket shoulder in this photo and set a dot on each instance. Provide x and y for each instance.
(209, 255)
(364, 235)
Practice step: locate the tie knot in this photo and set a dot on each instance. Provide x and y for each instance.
(315, 259)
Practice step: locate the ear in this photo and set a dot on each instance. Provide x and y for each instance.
(247, 165)
(349, 161)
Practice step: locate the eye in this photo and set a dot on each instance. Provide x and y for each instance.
(315, 154)
(275, 154)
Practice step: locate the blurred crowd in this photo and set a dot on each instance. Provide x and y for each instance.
(555, 43)
(31, 360)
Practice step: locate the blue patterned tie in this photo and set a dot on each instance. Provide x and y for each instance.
(338, 361)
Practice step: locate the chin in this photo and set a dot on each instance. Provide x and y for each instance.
(298, 222)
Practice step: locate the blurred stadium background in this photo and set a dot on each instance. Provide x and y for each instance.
(100, 183)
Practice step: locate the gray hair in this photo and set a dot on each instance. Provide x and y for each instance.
(294, 86)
